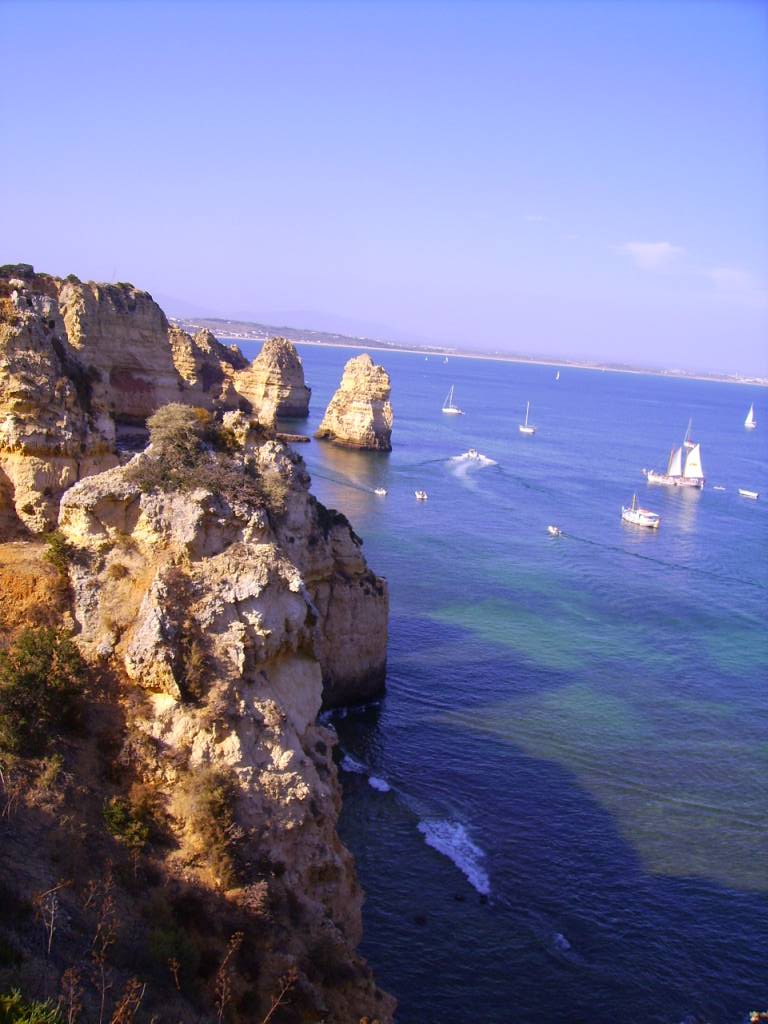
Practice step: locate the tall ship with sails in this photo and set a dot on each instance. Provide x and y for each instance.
(684, 468)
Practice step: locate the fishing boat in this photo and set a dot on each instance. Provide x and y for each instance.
(684, 468)
(754, 495)
(750, 422)
(421, 495)
(381, 491)
(525, 428)
(640, 516)
(450, 407)
(555, 531)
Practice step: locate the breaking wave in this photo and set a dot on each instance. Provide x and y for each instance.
(351, 764)
(378, 783)
(452, 840)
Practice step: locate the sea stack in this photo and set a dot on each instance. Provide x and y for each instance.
(274, 382)
(359, 415)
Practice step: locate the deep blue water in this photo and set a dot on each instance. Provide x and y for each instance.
(575, 732)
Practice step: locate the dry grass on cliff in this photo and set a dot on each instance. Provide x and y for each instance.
(190, 449)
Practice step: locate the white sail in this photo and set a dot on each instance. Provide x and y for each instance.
(675, 467)
(693, 467)
(448, 403)
(750, 421)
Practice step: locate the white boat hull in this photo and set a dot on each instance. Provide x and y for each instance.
(526, 430)
(453, 412)
(674, 481)
(752, 495)
(641, 517)
(750, 426)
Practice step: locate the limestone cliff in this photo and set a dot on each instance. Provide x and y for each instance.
(227, 604)
(275, 381)
(359, 415)
(208, 366)
(54, 424)
(82, 366)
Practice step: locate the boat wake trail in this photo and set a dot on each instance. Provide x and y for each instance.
(741, 580)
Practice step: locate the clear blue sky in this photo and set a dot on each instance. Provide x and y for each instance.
(576, 179)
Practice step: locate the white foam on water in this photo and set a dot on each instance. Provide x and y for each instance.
(381, 784)
(452, 840)
(473, 460)
(560, 942)
(351, 764)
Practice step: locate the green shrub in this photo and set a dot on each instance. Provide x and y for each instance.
(72, 279)
(41, 675)
(172, 943)
(128, 827)
(14, 1009)
(58, 552)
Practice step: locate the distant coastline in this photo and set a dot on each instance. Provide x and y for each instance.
(243, 330)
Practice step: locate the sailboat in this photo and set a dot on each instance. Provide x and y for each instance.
(524, 428)
(450, 407)
(750, 422)
(684, 468)
(640, 516)
(557, 375)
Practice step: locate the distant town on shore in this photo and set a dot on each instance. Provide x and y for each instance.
(246, 330)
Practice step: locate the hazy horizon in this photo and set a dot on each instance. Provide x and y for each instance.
(581, 180)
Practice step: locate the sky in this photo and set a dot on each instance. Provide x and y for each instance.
(573, 179)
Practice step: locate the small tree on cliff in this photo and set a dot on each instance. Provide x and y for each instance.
(178, 432)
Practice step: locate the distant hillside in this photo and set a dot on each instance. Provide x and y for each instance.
(245, 330)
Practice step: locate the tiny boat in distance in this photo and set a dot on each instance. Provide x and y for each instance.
(450, 407)
(557, 375)
(640, 516)
(754, 495)
(718, 487)
(421, 495)
(555, 531)
(380, 491)
(750, 422)
(524, 428)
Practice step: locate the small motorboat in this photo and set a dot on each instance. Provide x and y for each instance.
(555, 531)
(640, 516)
(718, 487)
(421, 495)
(381, 491)
(754, 495)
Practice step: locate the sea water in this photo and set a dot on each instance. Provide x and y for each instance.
(559, 808)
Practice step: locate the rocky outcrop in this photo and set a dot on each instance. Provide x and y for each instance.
(274, 382)
(227, 607)
(54, 426)
(81, 364)
(208, 367)
(359, 415)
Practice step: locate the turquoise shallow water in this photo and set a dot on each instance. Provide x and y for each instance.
(567, 818)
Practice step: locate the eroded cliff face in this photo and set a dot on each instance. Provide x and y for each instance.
(54, 425)
(360, 415)
(225, 607)
(82, 366)
(275, 381)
